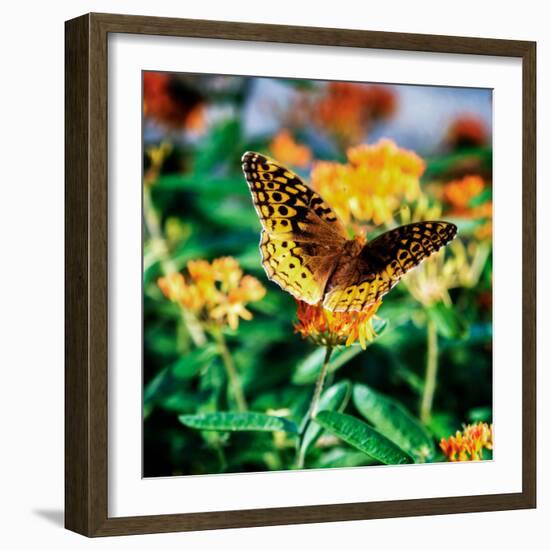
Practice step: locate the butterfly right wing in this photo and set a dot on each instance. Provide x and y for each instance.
(382, 263)
(302, 238)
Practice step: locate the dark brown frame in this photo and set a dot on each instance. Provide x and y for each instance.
(86, 285)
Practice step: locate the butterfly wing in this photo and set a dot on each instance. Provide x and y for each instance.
(302, 238)
(382, 263)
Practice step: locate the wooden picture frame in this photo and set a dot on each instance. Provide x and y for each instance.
(86, 282)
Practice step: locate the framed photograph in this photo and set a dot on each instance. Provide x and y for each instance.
(300, 280)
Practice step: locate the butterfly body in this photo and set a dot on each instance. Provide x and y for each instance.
(306, 251)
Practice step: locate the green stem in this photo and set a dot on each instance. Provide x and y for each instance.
(430, 380)
(319, 385)
(314, 405)
(230, 369)
(221, 457)
(152, 223)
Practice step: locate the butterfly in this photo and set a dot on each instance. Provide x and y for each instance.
(306, 250)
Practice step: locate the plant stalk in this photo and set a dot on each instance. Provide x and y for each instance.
(230, 369)
(319, 384)
(152, 224)
(314, 405)
(430, 380)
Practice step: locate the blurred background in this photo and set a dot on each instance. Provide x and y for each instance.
(197, 207)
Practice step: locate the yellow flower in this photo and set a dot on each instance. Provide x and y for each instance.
(288, 152)
(329, 328)
(457, 266)
(231, 307)
(372, 185)
(215, 291)
(469, 443)
(230, 310)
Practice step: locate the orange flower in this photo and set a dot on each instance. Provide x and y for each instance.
(177, 290)
(288, 152)
(226, 270)
(347, 108)
(216, 291)
(372, 185)
(251, 289)
(328, 328)
(467, 131)
(468, 444)
(231, 308)
(485, 231)
(459, 193)
(200, 270)
(171, 102)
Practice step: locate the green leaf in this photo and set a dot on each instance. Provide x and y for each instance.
(166, 385)
(442, 165)
(360, 435)
(223, 141)
(238, 422)
(482, 198)
(333, 398)
(204, 184)
(442, 424)
(191, 363)
(157, 386)
(447, 321)
(391, 419)
(343, 458)
(480, 414)
(230, 211)
(415, 382)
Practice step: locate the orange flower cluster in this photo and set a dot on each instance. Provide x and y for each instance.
(467, 131)
(329, 328)
(459, 194)
(171, 103)
(372, 185)
(288, 152)
(347, 108)
(216, 291)
(469, 443)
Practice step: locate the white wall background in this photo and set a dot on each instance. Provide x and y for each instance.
(31, 271)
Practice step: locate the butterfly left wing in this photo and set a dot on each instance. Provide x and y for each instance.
(302, 238)
(285, 203)
(382, 263)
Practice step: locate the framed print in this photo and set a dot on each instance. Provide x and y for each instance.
(299, 275)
